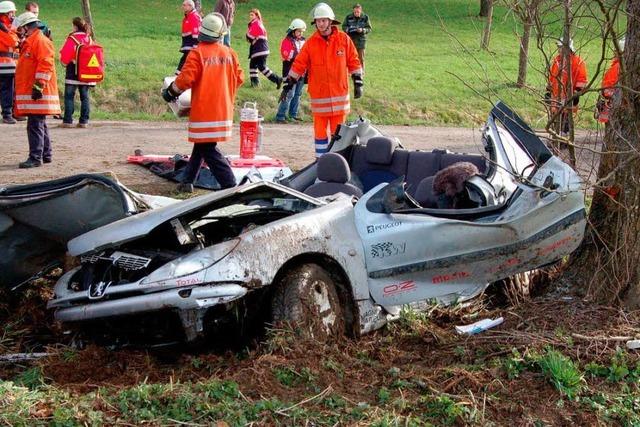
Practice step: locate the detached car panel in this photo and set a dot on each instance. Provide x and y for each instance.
(340, 259)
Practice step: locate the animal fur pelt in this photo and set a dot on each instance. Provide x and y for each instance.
(450, 180)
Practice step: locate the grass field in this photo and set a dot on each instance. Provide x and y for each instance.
(424, 65)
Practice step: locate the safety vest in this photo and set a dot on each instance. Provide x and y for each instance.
(213, 74)
(328, 62)
(559, 78)
(8, 50)
(36, 63)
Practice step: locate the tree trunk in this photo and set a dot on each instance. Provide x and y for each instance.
(608, 260)
(523, 61)
(86, 12)
(485, 7)
(486, 34)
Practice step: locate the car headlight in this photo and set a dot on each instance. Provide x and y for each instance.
(191, 263)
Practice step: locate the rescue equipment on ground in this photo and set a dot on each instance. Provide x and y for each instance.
(251, 131)
(89, 61)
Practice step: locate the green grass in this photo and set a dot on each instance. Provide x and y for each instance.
(418, 55)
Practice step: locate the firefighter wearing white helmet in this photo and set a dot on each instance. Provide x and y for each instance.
(290, 47)
(8, 56)
(332, 56)
(212, 72)
(213, 26)
(564, 96)
(610, 87)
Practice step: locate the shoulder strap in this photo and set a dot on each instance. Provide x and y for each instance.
(77, 42)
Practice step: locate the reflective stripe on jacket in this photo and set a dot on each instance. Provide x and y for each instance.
(8, 50)
(213, 74)
(36, 63)
(328, 62)
(190, 30)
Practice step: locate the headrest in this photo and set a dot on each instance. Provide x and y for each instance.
(380, 150)
(424, 193)
(333, 167)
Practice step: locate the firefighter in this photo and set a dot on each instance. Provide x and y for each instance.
(328, 56)
(8, 56)
(558, 90)
(609, 87)
(36, 87)
(190, 27)
(289, 49)
(213, 74)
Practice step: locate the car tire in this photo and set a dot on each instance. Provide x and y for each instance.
(307, 299)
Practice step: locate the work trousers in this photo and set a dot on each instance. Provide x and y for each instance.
(38, 135)
(361, 58)
(213, 157)
(291, 103)
(7, 82)
(323, 127)
(183, 59)
(69, 101)
(259, 64)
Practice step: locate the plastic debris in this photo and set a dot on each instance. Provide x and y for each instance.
(633, 344)
(479, 326)
(19, 357)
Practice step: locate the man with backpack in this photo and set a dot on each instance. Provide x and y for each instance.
(79, 36)
(36, 88)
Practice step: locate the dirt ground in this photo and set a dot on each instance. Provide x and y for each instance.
(105, 146)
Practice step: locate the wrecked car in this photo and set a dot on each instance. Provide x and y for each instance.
(37, 220)
(333, 251)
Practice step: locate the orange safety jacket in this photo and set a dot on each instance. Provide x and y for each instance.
(328, 62)
(213, 74)
(36, 64)
(8, 49)
(610, 79)
(559, 78)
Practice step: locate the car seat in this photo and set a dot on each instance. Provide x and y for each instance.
(333, 173)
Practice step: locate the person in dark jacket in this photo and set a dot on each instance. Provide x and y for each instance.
(357, 26)
(190, 27)
(259, 50)
(226, 8)
(289, 49)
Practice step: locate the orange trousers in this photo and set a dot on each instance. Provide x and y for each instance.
(323, 127)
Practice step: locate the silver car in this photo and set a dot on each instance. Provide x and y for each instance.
(333, 249)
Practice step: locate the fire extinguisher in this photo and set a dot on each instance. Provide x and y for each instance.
(249, 129)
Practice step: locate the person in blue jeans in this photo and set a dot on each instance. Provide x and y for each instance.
(81, 34)
(289, 49)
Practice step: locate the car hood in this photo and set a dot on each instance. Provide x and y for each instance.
(128, 229)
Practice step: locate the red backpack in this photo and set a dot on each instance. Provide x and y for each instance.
(89, 62)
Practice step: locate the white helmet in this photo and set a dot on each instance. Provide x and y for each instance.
(323, 10)
(213, 25)
(560, 43)
(25, 18)
(7, 6)
(298, 24)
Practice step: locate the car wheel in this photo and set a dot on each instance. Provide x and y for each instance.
(307, 298)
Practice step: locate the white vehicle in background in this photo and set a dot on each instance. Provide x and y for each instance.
(332, 248)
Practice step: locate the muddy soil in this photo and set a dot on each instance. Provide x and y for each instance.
(105, 146)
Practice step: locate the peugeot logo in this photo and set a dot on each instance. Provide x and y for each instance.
(97, 290)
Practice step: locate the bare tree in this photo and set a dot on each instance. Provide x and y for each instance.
(609, 261)
(486, 33)
(485, 6)
(526, 11)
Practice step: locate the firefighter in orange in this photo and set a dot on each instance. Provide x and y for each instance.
(213, 74)
(558, 90)
(36, 88)
(609, 87)
(8, 56)
(328, 56)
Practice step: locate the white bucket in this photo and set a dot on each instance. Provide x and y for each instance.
(249, 112)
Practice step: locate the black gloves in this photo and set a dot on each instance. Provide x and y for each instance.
(358, 83)
(36, 92)
(169, 94)
(289, 83)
